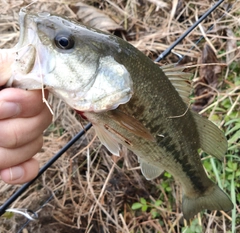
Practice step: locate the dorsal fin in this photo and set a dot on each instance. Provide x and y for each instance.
(212, 139)
(179, 79)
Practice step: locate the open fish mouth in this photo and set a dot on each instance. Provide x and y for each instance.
(30, 64)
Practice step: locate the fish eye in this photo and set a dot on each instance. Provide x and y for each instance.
(64, 42)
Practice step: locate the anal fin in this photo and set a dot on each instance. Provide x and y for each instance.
(150, 171)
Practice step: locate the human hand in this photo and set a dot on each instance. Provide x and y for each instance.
(23, 118)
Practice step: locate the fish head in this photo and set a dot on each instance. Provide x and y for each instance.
(73, 61)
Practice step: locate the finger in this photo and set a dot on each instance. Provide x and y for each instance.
(19, 131)
(6, 60)
(20, 103)
(21, 173)
(13, 157)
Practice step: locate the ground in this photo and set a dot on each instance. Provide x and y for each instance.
(93, 191)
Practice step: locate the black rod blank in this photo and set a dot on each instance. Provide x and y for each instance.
(204, 16)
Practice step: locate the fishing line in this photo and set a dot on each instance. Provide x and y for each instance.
(34, 215)
(24, 187)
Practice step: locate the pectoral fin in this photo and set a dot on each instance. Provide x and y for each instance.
(107, 139)
(131, 124)
(212, 139)
(150, 171)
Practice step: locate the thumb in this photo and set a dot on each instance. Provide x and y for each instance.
(6, 60)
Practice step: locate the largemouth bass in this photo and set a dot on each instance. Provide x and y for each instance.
(127, 97)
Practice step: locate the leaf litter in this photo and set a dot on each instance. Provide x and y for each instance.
(205, 86)
(92, 190)
(93, 17)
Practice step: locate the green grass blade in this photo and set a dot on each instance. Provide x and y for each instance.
(216, 172)
(233, 197)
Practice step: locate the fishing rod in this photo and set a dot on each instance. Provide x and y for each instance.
(174, 44)
(24, 187)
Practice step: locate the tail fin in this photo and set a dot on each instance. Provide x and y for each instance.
(212, 199)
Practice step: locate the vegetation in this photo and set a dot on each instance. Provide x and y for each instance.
(96, 192)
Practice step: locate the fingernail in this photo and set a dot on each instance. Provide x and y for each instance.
(16, 172)
(9, 109)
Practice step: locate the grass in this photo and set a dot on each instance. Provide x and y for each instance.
(97, 192)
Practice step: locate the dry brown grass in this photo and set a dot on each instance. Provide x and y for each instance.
(93, 191)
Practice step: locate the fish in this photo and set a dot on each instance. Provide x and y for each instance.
(128, 98)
